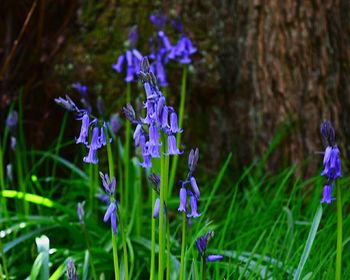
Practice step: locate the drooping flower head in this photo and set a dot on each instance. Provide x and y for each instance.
(82, 89)
(331, 161)
(160, 49)
(193, 191)
(202, 243)
(149, 129)
(89, 124)
(131, 58)
(111, 212)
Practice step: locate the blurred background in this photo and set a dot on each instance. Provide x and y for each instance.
(265, 75)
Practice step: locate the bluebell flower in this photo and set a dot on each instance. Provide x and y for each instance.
(67, 104)
(132, 58)
(195, 187)
(202, 243)
(91, 157)
(108, 185)
(193, 160)
(146, 161)
(95, 139)
(156, 208)
(158, 20)
(194, 208)
(327, 194)
(81, 88)
(71, 270)
(331, 161)
(183, 50)
(111, 214)
(183, 199)
(172, 148)
(84, 131)
(173, 123)
(332, 164)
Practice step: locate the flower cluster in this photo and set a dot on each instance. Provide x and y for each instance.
(162, 50)
(71, 270)
(192, 192)
(148, 131)
(111, 212)
(331, 161)
(132, 57)
(98, 133)
(202, 243)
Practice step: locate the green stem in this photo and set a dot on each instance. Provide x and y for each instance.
(94, 276)
(22, 186)
(183, 247)
(126, 151)
(113, 236)
(178, 136)
(153, 237)
(4, 262)
(339, 235)
(168, 247)
(204, 270)
(126, 264)
(161, 218)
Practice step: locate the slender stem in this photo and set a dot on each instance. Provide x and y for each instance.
(183, 247)
(168, 263)
(126, 151)
(153, 237)
(115, 255)
(339, 235)
(204, 270)
(178, 136)
(113, 236)
(161, 218)
(126, 264)
(4, 262)
(22, 186)
(94, 276)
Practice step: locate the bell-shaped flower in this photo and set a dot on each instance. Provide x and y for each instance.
(156, 208)
(111, 214)
(91, 157)
(172, 149)
(173, 123)
(194, 211)
(183, 199)
(327, 194)
(146, 161)
(332, 163)
(84, 131)
(95, 139)
(195, 187)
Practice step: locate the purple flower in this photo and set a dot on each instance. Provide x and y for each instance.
(95, 139)
(183, 198)
(84, 131)
(146, 161)
(71, 270)
(158, 20)
(103, 136)
(67, 104)
(202, 243)
(172, 149)
(91, 157)
(194, 211)
(183, 50)
(331, 162)
(164, 120)
(111, 214)
(193, 160)
(108, 185)
(132, 58)
(156, 208)
(173, 123)
(195, 187)
(327, 194)
(81, 88)
(214, 258)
